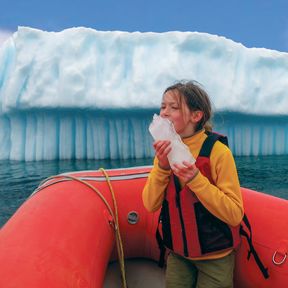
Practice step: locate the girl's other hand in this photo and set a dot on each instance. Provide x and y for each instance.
(162, 149)
(186, 172)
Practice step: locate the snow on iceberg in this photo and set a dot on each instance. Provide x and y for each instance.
(85, 68)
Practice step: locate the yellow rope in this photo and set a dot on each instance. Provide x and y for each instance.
(118, 240)
(115, 217)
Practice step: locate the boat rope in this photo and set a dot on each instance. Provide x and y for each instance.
(118, 235)
(114, 223)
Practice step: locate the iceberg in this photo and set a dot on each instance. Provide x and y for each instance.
(87, 94)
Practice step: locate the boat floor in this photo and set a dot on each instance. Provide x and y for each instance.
(139, 273)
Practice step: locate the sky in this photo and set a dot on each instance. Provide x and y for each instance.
(259, 23)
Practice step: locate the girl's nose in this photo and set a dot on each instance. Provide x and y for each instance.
(164, 112)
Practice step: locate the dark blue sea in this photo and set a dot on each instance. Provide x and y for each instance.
(268, 174)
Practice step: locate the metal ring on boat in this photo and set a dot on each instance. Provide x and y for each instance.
(133, 217)
(279, 262)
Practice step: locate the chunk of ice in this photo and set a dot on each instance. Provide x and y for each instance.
(163, 129)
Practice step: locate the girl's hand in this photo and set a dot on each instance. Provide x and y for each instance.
(185, 172)
(162, 149)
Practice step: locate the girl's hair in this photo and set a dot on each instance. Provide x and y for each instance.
(196, 98)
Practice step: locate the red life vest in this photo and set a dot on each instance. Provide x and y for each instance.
(188, 228)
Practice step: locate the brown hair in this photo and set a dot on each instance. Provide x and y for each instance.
(196, 98)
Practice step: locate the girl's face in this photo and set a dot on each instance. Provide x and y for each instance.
(178, 113)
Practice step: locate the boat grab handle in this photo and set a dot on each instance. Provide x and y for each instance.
(281, 261)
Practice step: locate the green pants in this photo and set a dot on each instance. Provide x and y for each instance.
(181, 272)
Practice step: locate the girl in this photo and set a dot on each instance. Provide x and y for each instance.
(201, 203)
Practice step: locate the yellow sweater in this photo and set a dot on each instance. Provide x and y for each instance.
(224, 199)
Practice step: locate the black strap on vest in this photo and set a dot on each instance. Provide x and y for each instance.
(178, 203)
(161, 247)
(210, 141)
(252, 250)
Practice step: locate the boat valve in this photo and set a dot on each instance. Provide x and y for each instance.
(132, 217)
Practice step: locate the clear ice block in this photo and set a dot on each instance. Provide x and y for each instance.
(163, 129)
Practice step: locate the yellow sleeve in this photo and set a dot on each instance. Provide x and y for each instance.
(154, 189)
(224, 199)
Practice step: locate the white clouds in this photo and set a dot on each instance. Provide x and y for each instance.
(4, 35)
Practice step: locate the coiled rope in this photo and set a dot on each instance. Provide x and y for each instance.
(115, 225)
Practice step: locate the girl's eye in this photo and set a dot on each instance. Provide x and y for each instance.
(175, 107)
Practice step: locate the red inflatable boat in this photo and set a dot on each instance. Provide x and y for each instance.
(64, 234)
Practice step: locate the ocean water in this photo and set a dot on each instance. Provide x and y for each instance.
(268, 174)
